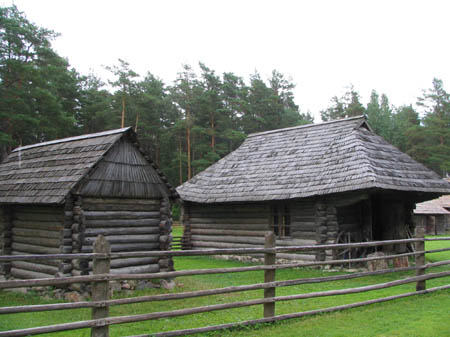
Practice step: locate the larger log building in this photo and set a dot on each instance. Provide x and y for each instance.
(312, 184)
(58, 196)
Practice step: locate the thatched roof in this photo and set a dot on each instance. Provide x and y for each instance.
(46, 173)
(440, 205)
(310, 160)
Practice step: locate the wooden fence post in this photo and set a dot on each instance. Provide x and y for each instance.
(100, 289)
(420, 258)
(269, 275)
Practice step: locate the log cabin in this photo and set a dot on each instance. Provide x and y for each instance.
(332, 182)
(58, 196)
(434, 215)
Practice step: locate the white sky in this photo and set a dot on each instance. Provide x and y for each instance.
(395, 47)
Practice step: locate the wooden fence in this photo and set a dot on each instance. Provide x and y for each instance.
(101, 277)
(180, 243)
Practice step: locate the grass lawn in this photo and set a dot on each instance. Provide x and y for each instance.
(424, 315)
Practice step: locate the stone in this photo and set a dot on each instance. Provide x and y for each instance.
(115, 286)
(377, 264)
(168, 284)
(73, 296)
(126, 286)
(401, 262)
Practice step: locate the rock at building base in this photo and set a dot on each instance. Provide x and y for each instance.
(377, 264)
(167, 284)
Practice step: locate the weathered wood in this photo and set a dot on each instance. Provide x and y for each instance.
(211, 231)
(100, 289)
(231, 239)
(126, 247)
(104, 215)
(113, 239)
(116, 207)
(122, 223)
(28, 274)
(38, 241)
(33, 249)
(88, 232)
(298, 257)
(137, 261)
(54, 217)
(269, 275)
(420, 258)
(120, 201)
(255, 221)
(50, 226)
(150, 268)
(229, 226)
(90, 278)
(304, 226)
(37, 267)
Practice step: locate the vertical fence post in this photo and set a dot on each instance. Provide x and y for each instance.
(420, 258)
(100, 289)
(269, 275)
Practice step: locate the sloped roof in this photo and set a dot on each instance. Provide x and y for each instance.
(440, 205)
(310, 160)
(45, 173)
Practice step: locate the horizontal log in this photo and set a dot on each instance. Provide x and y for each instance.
(140, 238)
(212, 244)
(36, 267)
(33, 249)
(42, 217)
(304, 226)
(151, 268)
(122, 223)
(311, 236)
(54, 263)
(105, 215)
(121, 201)
(38, 241)
(38, 209)
(230, 214)
(294, 242)
(204, 220)
(118, 207)
(238, 208)
(50, 226)
(262, 227)
(211, 231)
(120, 230)
(136, 261)
(231, 239)
(28, 274)
(296, 257)
(126, 247)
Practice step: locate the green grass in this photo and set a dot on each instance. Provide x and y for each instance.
(424, 315)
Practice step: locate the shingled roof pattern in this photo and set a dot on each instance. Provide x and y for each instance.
(45, 173)
(310, 160)
(440, 205)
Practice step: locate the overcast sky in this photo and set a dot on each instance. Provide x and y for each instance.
(395, 47)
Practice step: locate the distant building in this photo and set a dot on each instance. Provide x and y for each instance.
(434, 215)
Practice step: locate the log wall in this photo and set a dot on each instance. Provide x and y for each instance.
(36, 230)
(128, 225)
(244, 225)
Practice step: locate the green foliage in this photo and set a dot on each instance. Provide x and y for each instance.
(188, 125)
(348, 105)
(38, 92)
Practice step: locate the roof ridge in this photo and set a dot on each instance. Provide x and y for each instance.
(71, 139)
(306, 126)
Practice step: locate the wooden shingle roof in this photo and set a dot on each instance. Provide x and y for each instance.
(440, 205)
(45, 173)
(310, 160)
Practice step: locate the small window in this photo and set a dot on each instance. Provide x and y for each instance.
(281, 220)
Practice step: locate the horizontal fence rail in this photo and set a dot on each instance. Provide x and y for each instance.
(101, 277)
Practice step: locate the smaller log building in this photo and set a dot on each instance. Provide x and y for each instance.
(313, 184)
(58, 196)
(434, 215)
